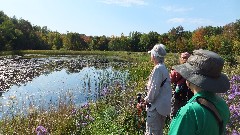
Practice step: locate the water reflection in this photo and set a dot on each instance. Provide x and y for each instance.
(87, 83)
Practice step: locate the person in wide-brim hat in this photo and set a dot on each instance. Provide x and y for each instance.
(204, 70)
(203, 74)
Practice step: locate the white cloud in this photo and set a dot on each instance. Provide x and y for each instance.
(176, 9)
(197, 21)
(176, 20)
(125, 3)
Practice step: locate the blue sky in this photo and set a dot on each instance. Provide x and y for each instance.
(113, 17)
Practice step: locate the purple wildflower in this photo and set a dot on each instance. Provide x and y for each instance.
(40, 130)
(86, 105)
(231, 96)
(88, 117)
(233, 100)
(235, 132)
(104, 91)
(74, 111)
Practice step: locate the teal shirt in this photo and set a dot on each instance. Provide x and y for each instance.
(194, 119)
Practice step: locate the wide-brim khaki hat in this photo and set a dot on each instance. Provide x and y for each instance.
(203, 68)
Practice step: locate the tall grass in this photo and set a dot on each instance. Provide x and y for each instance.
(114, 113)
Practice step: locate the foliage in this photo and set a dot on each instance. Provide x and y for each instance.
(179, 40)
(119, 43)
(198, 38)
(99, 43)
(134, 41)
(19, 34)
(226, 51)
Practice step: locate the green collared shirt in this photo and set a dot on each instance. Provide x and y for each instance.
(194, 119)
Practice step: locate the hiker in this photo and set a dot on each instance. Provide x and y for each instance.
(158, 98)
(206, 113)
(181, 93)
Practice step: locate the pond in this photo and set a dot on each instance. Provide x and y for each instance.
(36, 83)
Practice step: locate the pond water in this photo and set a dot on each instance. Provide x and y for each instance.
(61, 84)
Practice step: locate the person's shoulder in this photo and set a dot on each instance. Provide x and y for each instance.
(188, 112)
(160, 66)
(190, 107)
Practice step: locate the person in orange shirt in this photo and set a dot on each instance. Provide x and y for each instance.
(181, 93)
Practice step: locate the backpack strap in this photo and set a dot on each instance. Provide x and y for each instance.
(163, 82)
(211, 107)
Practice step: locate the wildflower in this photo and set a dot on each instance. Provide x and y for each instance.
(104, 91)
(84, 124)
(85, 105)
(40, 130)
(235, 132)
(88, 117)
(77, 123)
(231, 96)
(233, 100)
(74, 111)
(81, 124)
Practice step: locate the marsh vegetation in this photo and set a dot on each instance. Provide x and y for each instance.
(107, 103)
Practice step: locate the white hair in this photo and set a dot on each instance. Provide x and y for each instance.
(159, 59)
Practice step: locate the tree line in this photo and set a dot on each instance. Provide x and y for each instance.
(20, 34)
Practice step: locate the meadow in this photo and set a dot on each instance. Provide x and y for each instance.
(115, 112)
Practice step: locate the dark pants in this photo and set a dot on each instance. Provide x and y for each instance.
(176, 105)
(179, 99)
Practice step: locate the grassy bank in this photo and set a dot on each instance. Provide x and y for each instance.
(63, 52)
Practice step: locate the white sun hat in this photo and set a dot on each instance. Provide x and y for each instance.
(158, 50)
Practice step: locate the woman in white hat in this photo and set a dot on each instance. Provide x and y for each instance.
(158, 99)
